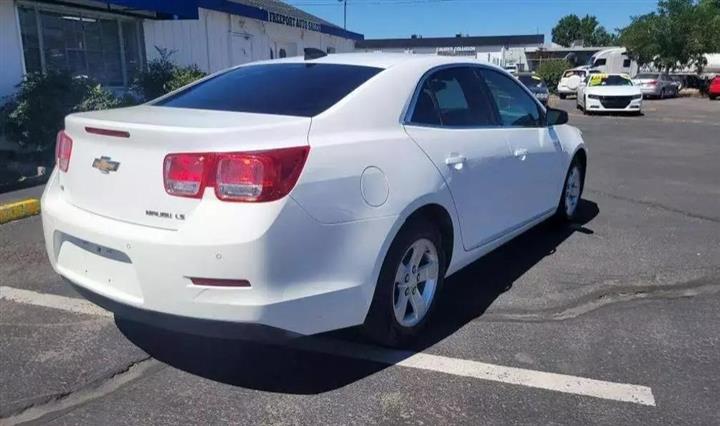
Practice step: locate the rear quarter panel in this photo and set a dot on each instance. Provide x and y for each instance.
(362, 164)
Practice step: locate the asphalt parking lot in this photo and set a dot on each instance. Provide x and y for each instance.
(612, 321)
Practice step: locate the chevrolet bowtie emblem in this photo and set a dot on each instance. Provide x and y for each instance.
(105, 165)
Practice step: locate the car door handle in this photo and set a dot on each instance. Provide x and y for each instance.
(520, 153)
(455, 161)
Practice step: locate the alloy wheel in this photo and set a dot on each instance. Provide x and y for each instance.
(572, 191)
(416, 280)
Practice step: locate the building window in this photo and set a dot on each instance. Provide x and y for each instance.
(103, 47)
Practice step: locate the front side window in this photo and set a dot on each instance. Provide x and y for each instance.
(453, 97)
(102, 47)
(515, 106)
(297, 89)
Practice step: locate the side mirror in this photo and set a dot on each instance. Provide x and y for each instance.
(556, 117)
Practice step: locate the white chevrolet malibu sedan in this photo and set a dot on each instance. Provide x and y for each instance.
(307, 194)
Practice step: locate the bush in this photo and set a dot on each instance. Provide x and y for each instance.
(37, 111)
(184, 76)
(551, 71)
(163, 76)
(96, 97)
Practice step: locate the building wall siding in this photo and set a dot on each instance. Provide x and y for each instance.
(218, 40)
(11, 55)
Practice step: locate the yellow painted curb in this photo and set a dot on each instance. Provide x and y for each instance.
(19, 209)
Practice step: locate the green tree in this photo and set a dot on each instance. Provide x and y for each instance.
(572, 28)
(677, 34)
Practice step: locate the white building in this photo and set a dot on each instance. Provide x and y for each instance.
(499, 50)
(111, 41)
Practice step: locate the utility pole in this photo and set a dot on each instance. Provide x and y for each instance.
(344, 13)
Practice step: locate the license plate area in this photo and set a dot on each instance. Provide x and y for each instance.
(103, 269)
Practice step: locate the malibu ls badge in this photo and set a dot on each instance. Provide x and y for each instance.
(106, 165)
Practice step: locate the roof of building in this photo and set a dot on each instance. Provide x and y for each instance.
(275, 11)
(278, 12)
(283, 8)
(470, 41)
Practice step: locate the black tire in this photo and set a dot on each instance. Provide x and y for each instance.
(562, 96)
(584, 107)
(561, 213)
(713, 97)
(381, 324)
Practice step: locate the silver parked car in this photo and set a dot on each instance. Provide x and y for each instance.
(656, 85)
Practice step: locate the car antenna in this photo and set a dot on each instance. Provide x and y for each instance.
(313, 53)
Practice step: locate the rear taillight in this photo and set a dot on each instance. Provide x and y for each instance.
(258, 176)
(63, 150)
(184, 174)
(652, 82)
(236, 176)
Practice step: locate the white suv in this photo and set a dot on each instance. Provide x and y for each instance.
(571, 80)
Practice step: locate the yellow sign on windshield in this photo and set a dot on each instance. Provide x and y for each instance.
(597, 79)
(600, 79)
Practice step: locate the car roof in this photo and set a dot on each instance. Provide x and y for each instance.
(383, 60)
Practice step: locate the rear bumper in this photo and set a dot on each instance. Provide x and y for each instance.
(650, 91)
(305, 277)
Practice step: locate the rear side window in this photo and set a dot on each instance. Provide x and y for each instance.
(515, 106)
(453, 97)
(301, 89)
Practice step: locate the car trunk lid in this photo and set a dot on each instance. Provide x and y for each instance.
(116, 164)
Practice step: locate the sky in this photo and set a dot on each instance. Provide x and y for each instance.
(438, 18)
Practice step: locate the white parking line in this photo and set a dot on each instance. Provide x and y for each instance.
(69, 304)
(458, 367)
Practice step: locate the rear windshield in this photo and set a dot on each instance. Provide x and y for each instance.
(531, 81)
(300, 89)
(647, 76)
(571, 73)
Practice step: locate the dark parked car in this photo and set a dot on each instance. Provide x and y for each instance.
(536, 85)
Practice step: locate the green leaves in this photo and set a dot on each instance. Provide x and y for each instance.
(36, 113)
(163, 76)
(551, 71)
(678, 34)
(572, 28)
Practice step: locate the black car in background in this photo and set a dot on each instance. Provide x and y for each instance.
(536, 85)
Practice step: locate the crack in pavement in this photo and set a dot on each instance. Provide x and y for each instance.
(60, 404)
(603, 298)
(654, 205)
